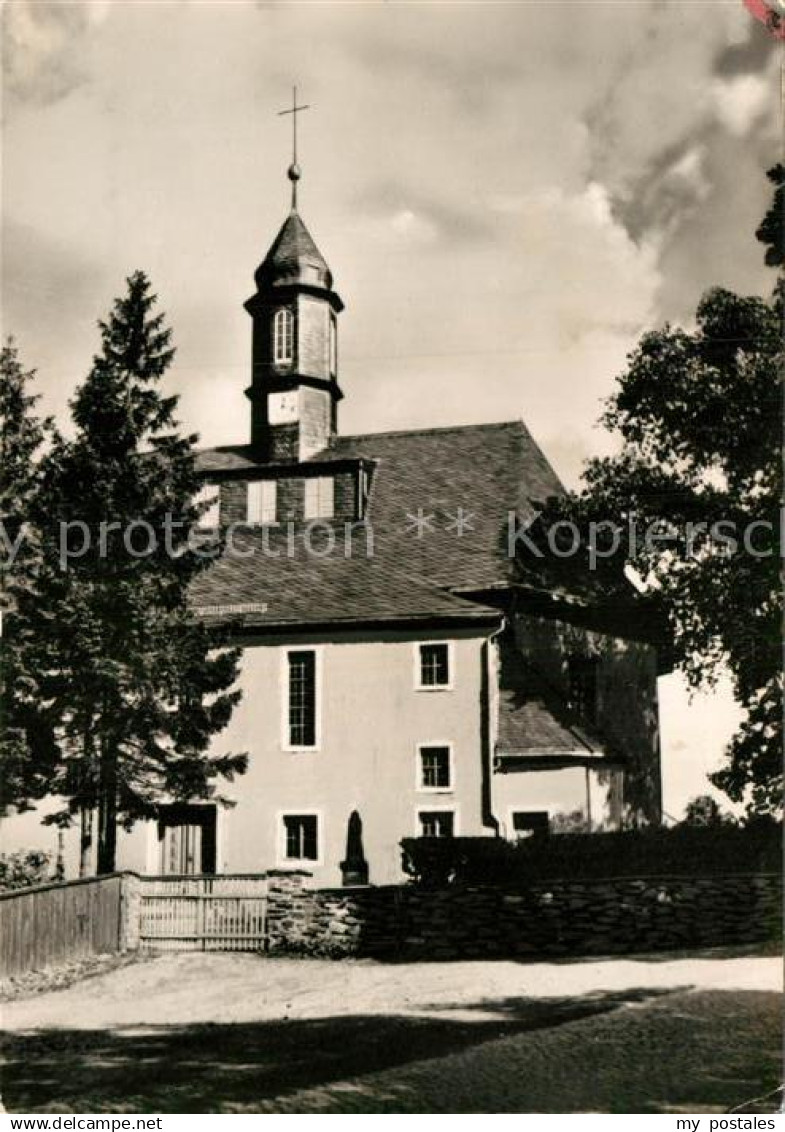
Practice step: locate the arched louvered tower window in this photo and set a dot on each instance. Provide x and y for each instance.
(283, 335)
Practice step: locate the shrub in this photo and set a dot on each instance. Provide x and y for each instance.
(705, 810)
(24, 869)
(684, 850)
(573, 822)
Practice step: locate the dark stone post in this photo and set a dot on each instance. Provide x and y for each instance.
(355, 867)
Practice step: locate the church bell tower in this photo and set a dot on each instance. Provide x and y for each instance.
(294, 390)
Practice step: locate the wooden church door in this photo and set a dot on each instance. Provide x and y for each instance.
(186, 840)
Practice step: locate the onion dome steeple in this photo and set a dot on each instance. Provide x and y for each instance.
(294, 387)
(293, 258)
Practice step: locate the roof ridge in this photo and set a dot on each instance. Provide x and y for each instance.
(432, 429)
(544, 459)
(224, 448)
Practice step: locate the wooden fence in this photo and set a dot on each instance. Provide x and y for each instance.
(60, 923)
(203, 913)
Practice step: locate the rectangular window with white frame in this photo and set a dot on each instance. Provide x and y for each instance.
(300, 837)
(262, 502)
(319, 497)
(433, 666)
(437, 823)
(209, 497)
(301, 728)
(434, 766)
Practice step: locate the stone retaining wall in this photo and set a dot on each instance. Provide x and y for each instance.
(554, 918)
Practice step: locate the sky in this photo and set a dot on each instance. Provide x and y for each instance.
(508, 194)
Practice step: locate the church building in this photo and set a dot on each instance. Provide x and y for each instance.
(407, 669)
(404, 672)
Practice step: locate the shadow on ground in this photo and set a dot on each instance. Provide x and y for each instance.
(602, 1052)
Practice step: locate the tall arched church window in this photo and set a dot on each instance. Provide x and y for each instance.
(283, 333)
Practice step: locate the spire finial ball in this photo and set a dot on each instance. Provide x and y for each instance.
(293, 172)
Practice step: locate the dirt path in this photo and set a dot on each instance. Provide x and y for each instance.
(221, 988)
(236, 1033)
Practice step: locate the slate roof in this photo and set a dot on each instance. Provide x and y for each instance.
(486, 470)
(533, 719)
(481, 472)
(228, 458)
(292, 250)
(301, 589)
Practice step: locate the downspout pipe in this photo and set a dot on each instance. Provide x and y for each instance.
(486, 729)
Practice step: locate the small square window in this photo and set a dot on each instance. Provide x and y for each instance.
(437, 823)
(435, 768)
(434, 667)
(301, 837)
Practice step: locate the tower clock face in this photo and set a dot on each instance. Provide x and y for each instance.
(282, 407)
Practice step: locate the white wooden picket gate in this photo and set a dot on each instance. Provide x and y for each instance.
(203, 913)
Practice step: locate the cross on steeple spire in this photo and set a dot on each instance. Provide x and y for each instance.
(294, 169)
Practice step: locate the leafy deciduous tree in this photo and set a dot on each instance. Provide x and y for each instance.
(705, 810)
(698, 413)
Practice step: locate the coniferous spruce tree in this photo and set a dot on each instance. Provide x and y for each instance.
(28, 754)
(140, 687)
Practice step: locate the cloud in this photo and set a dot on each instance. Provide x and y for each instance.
(537, 313)
(411, 227)
(479, 215)
(49, 290)
(660, 108)
(406, 210)
(749, 56)
(664, 197)
(740, 101)
(42, 62)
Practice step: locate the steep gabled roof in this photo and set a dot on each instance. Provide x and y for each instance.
(469, 479)
(463, 484)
